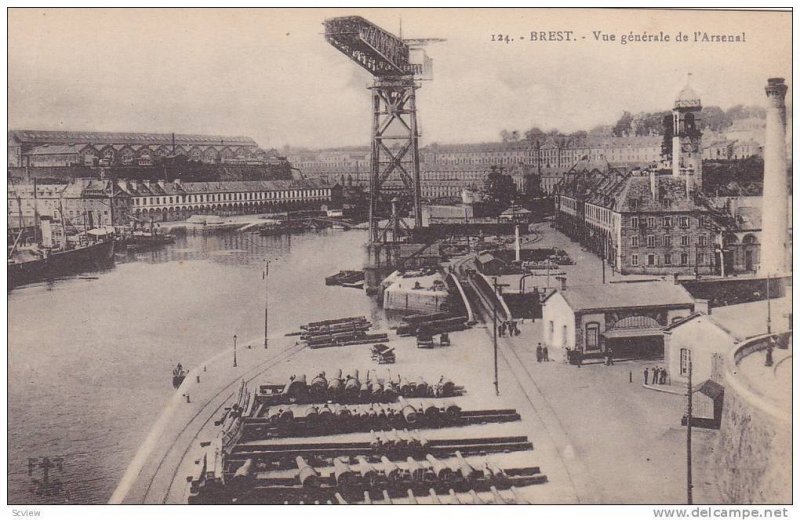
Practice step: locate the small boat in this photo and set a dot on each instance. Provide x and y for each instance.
(346, 279)
(178, 375)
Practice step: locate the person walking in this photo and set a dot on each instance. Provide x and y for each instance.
(579, 356)
(539, 353)
(646, 373)
(610, 352)
(545, 354)
(663, 376)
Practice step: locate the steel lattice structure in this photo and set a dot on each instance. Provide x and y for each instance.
(394, 172)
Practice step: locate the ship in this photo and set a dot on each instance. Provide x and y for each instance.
(145, 240)
(35, 264)
(178, 375)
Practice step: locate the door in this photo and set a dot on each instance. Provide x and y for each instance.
(748, 259)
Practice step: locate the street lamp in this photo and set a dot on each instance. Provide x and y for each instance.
(234, 351)
(497, 291)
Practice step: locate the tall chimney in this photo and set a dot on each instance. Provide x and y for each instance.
(774, 209)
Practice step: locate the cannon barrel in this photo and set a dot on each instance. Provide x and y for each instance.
(352, 385)
(422, 388)
(368, 474)
(416, 470)
(307, 475)
(407, 388)
(335, 384)
(475, 498)
(244, 471)
(434, 496)
(464, 467)
(386, 498)
(340, 499)
(344, 475)
(498, 498)
(296, 387)
(408, 412)
(443, 472)
(392, 470)
(452, 410)
(411, 498)
(456, 499)
(341, 411)
(445, 387)
(389, 390)
(325, 413)
(431, 411)
(319, 385)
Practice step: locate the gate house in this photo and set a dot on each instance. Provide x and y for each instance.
(628, 317)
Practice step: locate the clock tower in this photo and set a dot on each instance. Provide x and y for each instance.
(687, 151)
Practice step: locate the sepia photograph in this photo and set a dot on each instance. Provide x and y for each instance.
(399, 256)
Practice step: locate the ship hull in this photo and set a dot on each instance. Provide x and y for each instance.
(63, 263)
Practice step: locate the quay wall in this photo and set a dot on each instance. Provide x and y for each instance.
(753, 454)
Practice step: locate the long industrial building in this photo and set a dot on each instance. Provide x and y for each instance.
(40, 148)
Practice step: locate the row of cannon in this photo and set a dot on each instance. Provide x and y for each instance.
(342, 418)
(351, 388)
(431, 471)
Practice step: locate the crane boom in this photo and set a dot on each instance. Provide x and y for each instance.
(378, 51)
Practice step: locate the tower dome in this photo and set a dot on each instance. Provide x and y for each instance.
(687, 97)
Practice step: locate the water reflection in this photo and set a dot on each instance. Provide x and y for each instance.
(90, 357)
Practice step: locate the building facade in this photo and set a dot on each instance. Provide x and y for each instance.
(62, 148)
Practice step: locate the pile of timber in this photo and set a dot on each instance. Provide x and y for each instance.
(431, 324)
(339, 332)
(308, 420)
(352, 389)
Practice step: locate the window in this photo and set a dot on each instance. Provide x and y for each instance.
(684, 222)
(592, 335)
(651, 260)
(651, 222)
(701, 259)
(685, 241)
(667, 222)
(667, 241)
(667, 259)
(684, 258)
(564, 336)
(634, 260)
(651, 241)
(702, 240)
(551, 332)
(686, 356)
(634, 241)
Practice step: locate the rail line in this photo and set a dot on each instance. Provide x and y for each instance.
(252, 373)
(575, 469)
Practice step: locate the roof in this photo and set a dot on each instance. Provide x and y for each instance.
(70, 137)
(53, 149)
(744, 320)
(687, 97)
(626, 295)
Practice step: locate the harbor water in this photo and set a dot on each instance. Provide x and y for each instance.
(90, 357)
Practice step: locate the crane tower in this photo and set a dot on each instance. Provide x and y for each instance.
(397, 65)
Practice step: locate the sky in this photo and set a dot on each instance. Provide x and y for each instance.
(269, 73)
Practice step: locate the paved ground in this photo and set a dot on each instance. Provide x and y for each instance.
(623, 442)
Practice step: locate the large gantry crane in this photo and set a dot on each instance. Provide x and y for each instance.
(397, 65)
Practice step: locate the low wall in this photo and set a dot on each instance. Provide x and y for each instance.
(753, 456)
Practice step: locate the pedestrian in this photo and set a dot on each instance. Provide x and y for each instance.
(610, 353)
(768, 361)
(539, 353)
(646, 373)
(516, 329)
(579, 356)
(502, 331)
(545, 354)
(663, 376)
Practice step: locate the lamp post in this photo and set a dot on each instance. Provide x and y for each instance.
(234, 351)
(266, 301)
(497, 291)
(689, 485)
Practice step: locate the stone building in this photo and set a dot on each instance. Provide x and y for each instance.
(30, 148)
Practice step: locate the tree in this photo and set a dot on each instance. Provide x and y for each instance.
(499, 188)
(714, 118)
(666, 142)
(623, 125)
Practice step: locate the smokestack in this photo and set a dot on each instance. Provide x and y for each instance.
(563, 280)
(516, 243)
(774, 200)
